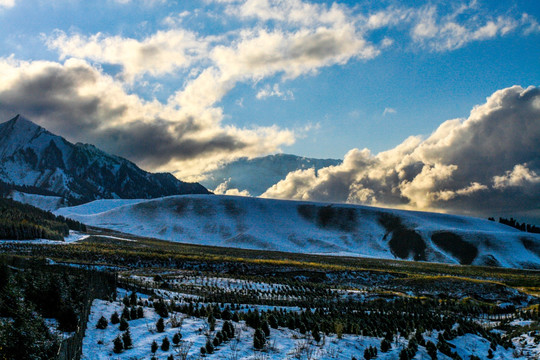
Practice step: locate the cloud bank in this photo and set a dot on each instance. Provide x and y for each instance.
(489, 161)
(81, 102)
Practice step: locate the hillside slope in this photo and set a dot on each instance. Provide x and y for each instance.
(32, 156)
(307, 227)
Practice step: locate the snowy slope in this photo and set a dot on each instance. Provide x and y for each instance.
(258, 174)
(306, 227)
(43, 202)
(32, 156)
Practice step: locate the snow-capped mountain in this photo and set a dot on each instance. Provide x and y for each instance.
(309, 227)
(258, 174)
(32, 156)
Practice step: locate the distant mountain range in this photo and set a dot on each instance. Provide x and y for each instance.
(258, 174)
(32, 157)
(317, 228)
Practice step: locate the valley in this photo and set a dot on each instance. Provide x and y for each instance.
(313, 306)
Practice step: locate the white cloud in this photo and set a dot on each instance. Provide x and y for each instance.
(163, 52)
(7, 3)
(451, 169)
(223, 189)
(451, 31)
(389, 111)
(274, 91)
(520, 175)
(80, 102)
(260, 54)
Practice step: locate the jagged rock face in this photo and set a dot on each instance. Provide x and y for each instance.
(30, 155)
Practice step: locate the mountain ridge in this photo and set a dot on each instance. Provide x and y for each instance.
(30, 155)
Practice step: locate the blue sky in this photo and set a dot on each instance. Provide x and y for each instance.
(419, 85)
(185, 86)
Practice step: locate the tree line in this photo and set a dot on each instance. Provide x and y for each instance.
(25, 222)
(517, 225)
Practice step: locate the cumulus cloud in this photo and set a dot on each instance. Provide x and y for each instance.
(163, 52)
(262, 53)
(457, 168)
(81, 102)
(520, 175)
(223, 189)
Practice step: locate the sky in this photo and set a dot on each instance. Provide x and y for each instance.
(408, 93)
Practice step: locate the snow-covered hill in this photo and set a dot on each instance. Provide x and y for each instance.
(256, 175)
(32, 156)
(308, 227)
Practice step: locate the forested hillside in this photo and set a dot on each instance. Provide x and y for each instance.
(25, 222)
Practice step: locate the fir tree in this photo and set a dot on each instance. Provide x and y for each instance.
(118, 345)
(126, 338)
(115, 318)
(165, 344)
(102, 323)
(160, 325)
(124, 325)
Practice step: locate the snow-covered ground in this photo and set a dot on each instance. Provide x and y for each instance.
(282, 343)
(73, 237)
(49, 203)
(294, 226)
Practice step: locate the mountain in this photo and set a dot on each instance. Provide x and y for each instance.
(309, 227)
(32, 157)
(258, 174)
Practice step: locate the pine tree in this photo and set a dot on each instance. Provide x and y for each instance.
(115, 318)
(126, 338)
(212, 322)
(118, 345)
(154, 346)
(259, 340)
(265, 328)
(165, 344)
(176, 338)
(209, 347)
(124, 325)
(102, 323)
(385, 345)
(160, 325)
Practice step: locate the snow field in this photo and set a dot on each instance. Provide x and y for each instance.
(282, 343)
(294, 226)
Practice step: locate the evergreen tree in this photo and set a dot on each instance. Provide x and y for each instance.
(124, 325)
(385, 345)
(209, 347)
(265, 328)
(118, 345)
(126, 338)
(115, 318)
(165, 344)
(176, 338)
(154, 346)
(431, 350)
(102, 323)
(160, 325)
(259, 340)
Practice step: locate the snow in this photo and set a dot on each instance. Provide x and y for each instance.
(266, 224)
(282, 343)
(48, 203)
(73, 237)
